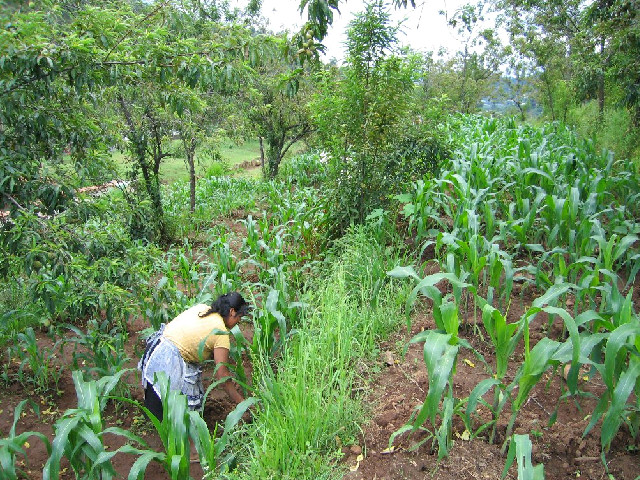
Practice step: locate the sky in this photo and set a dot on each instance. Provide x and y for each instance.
(425, 29)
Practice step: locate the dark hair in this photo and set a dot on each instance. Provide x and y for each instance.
(225, 303)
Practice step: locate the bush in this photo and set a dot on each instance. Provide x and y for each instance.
(307, 170)
(615, 132)
(217, 169)
(417, 153)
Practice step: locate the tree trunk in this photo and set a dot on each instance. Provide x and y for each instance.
(275, 145)
(138, 147)
(601, 82)
(190, 152)
(549, 90)
(261, 153)
(520, 108)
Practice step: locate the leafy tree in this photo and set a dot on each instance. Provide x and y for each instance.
(278, 100)
(360, 114)
(582, 50)
(616, 25)
(476, 65)
(541, 31)
(56, 70)
(48, 120)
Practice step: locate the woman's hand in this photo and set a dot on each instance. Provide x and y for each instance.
(221, 357)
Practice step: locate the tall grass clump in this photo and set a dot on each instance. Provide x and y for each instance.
(308, 403)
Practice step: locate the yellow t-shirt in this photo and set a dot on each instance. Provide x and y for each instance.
(188, 330)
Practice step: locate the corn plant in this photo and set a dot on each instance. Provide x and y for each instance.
(620, 372)
(36, 364)
(173, 430)
(79, 432)
(270, 325)
(520, 450)
(446, 319)
(162, 302)
(440, 353)
(222, 257)
(440, 357)
(14, 445)
(177, 427)
(545, 354)
(505, 338)
(188, 269)
(100, 351)
(210, 446)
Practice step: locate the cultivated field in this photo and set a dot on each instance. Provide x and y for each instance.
(487, 318)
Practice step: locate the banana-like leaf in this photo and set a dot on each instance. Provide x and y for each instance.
(504, 336)
(403, 272)
(236, 415)
(60, 443)
(551, 294)
(139, 467)
(618, 339)
(535, 364)
(443, 433)
(572, 377)
(439, 357)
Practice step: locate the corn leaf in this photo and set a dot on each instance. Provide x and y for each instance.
(520, 448)
(476, 394)
(535, 364)
(613, 418)
(439, 357)
(618, 339)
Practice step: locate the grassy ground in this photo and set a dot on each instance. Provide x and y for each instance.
(174, 168)
(232, 154)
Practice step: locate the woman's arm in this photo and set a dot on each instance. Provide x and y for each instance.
(221, 357)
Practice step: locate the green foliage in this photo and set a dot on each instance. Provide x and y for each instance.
(217, 169)
(278, 108)
(306, 170)
(418, 152)
(301, 414)
(100, 351)
(14, 445)
(508, 196)
(598, 63)
(360, 117)
(38, 367)
(520, 449)
(215, 196)
(606, 129)
(177, 427)
(308, 400)
(210, 446)
(79, 433)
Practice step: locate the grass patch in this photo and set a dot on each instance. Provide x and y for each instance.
(307, 407)
(174, 168)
